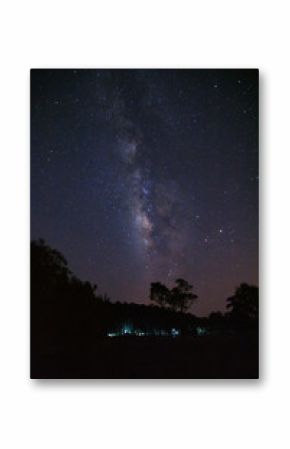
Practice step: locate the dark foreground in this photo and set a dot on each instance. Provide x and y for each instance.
(211, 357)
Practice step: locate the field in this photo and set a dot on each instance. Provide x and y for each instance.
(208, 357)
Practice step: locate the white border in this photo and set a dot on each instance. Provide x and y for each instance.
(225, 414)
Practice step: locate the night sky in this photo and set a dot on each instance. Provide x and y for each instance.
(140, 176)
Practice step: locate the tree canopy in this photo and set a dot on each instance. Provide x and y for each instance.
(179, 298)
(244, 304)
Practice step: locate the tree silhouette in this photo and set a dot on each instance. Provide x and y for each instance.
(179, 298)
(62, 306)
(160, 294)
(244, 305)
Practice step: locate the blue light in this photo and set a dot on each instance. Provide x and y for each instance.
(201, 331)
(127, 330)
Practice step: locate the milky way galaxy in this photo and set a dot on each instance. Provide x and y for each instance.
(140, 176)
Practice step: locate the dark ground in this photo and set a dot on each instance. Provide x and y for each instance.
(208, 357)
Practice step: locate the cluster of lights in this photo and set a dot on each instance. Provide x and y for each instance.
(126, 330)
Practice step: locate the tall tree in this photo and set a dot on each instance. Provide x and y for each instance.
(159, 293)
(244, 304)
(179, 297)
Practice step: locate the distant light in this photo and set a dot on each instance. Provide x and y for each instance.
(126, 330)
(201, 331)
(112, 334)
(174, 332)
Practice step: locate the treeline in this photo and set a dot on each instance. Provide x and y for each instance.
(69, 313)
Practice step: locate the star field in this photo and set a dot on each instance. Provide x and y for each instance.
(148, 175)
